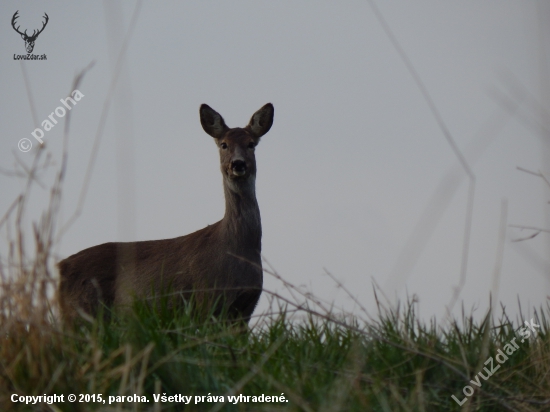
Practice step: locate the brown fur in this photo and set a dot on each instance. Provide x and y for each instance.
(220, 263)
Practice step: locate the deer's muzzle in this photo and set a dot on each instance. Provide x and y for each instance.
(238, 167)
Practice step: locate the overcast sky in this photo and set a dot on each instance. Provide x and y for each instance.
(356, 176)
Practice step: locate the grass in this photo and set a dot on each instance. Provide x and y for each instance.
(315, 360)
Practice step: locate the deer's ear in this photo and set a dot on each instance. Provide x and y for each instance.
(212, 122)
(261, 121)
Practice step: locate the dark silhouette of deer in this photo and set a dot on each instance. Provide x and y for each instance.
(219, 266)
(29, 40)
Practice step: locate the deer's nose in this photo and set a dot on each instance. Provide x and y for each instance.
(238, 167)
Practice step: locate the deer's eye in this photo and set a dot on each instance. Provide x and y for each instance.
(251, 145)
(223, 145)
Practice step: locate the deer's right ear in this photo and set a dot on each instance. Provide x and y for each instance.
(212, 122)
(261, 121)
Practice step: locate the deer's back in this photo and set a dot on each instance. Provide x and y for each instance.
(202, 263)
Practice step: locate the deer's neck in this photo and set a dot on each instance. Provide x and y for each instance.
(241, 224)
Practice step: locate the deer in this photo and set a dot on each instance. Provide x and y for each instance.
(29, 40)
(219, 266)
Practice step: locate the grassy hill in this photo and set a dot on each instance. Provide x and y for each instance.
(298, 358)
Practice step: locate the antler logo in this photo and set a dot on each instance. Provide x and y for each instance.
(29, 40)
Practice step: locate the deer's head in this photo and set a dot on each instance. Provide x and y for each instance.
(236, 146)
(29, 40)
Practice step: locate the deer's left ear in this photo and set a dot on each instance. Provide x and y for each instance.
(261, 121)
(212, 122)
